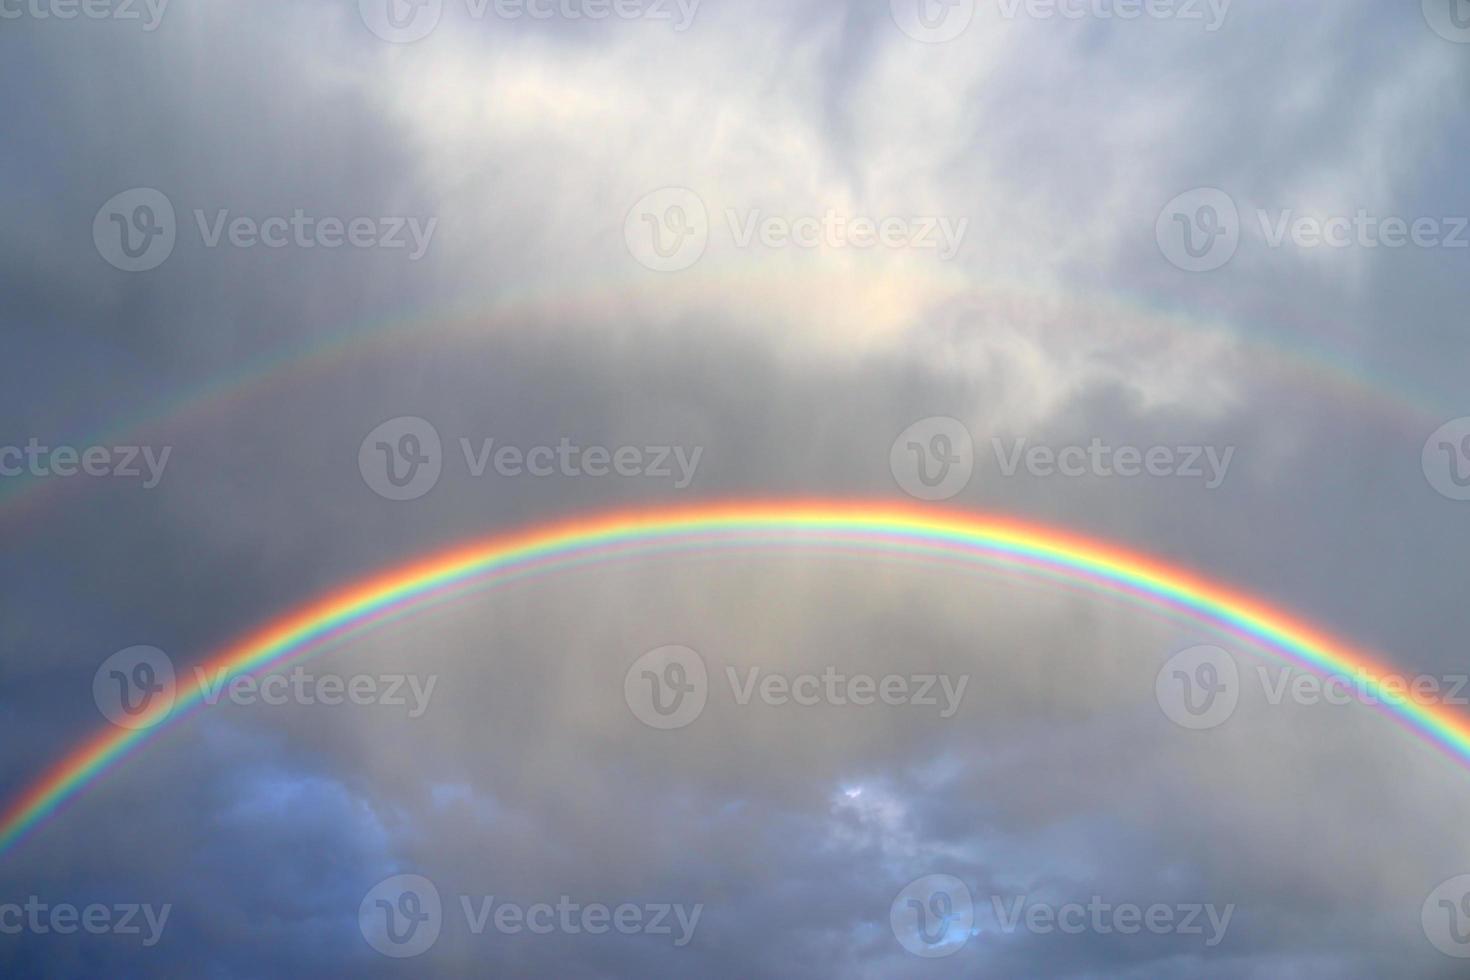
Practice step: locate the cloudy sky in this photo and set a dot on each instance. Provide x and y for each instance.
(286, 268)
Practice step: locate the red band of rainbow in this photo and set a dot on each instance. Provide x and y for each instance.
(872, 529)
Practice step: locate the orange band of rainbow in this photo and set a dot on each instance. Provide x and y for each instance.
(878, 529)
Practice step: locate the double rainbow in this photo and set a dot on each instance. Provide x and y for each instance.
(868, 529)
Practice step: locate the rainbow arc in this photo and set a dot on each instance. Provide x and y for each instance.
(876, 531)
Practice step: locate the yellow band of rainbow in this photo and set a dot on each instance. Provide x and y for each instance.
(871, 529)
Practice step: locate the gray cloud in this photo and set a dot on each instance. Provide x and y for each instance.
(792, 370)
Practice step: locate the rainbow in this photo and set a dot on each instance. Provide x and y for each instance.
(1312, 365)
(866, 528)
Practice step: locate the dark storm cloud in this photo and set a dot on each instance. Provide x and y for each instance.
(529, 778)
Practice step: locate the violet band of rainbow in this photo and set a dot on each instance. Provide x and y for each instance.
(872, 530)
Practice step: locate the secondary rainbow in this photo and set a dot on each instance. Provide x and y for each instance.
(1313, 364)
(869, 529)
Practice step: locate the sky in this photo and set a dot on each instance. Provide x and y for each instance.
(299, 292)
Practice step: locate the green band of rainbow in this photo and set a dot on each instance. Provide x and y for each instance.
(874, 529)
